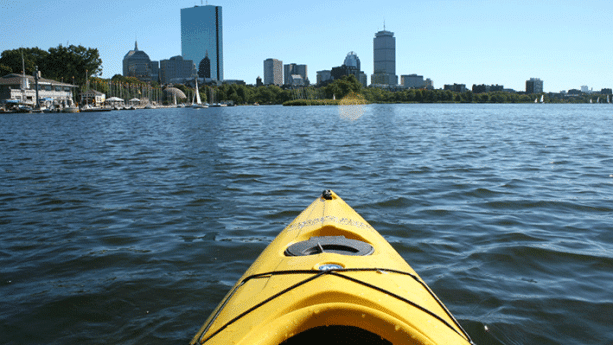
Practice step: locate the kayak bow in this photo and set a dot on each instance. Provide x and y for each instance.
(330, 277)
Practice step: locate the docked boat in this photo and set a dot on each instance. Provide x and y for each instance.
(330, 277)
(90, 109)
(70, 109)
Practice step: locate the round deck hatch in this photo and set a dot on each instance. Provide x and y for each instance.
(329, 244)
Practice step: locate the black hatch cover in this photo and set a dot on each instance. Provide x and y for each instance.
(329, 244)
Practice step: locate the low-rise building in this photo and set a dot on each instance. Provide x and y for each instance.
(19, 88)
(455, 87)
(487, 88)
(176, 69)
(413, 81)
(93, 98)
(296, 80)
(324, 77)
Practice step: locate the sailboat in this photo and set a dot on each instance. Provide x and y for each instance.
(542, 98)
(198, 103)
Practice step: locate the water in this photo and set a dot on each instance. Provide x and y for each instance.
(129, 227)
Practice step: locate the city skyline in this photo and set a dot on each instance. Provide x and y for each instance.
(560, 42)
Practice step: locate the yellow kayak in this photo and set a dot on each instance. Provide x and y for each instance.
(330, 277)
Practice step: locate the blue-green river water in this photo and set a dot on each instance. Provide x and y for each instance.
(129, 227)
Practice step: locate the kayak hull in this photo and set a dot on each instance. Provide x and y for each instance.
(330, 272)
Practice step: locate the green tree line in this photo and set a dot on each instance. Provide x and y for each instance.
(68, 64)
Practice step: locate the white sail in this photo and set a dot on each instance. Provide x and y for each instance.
(198, 101)
(542, 98)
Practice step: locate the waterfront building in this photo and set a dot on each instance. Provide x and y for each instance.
(202, 32)
(384, 58)
(534, 85)
(258, 81)
(294, 69)
(324, 76)
(175, 69)
(273, 72)
(93, 97)
(136, 63)
(413, 81)
(456, 87)
(487, 88)
(429, 84)
(17, 88)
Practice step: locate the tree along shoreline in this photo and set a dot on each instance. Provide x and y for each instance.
(337, 90)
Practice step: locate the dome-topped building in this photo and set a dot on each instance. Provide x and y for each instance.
(136, 63)
(351, 66)
(352, 60)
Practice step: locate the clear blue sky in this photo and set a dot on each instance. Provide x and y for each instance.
(566, 43)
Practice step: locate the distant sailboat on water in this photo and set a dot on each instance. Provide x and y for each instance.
(542, 98)
(198, 103)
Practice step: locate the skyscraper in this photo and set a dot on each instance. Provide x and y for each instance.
(384, 53)
(201, 31)
(273, 72)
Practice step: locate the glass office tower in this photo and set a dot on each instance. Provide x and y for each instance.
(384, 45)
(201, 32)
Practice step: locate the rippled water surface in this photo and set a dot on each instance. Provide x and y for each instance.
(129, 227)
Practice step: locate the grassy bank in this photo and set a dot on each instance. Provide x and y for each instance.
(298, 102)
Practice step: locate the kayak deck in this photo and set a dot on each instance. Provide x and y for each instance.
(329, 274)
